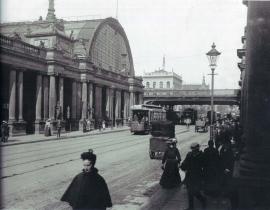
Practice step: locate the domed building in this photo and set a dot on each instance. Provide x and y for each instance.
(68, 70)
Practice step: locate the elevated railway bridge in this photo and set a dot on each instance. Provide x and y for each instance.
(191, 97)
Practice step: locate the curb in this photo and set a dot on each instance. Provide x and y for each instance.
(57, 139)
(159, 199)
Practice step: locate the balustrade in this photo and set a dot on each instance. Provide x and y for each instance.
(20, 46)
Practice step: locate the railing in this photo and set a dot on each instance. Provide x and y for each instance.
(188, 93)
(20, 46)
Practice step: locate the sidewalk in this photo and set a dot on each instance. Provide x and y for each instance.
(26, 139)
(176, 199)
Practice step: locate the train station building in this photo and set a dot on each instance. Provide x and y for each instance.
(68, 70)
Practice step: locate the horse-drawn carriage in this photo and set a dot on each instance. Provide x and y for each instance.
(162, 133)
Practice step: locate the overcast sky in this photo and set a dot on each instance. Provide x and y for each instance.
(182, 30)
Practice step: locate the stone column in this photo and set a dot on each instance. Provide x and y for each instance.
(20, 94)
(84, 104)
(12, 96)
(84, 100)
(38, 97)
(38, 103)
(98, 102)
(141, 98)
(255, 161)
(112, 104)
(46, 97)
(52, 97)
(90, 97)
(61, 95)
(79, 99)
(132, 97)
(128, 104)
(108, 102)
(125, 107)
(116, 104)
(74, 100)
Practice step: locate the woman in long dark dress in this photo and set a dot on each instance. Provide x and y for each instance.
(170, 163)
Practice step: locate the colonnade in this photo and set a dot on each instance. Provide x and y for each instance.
(87, 100)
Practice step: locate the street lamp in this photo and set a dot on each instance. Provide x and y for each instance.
(212, 56)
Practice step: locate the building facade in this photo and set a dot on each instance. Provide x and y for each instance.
(161, 79)
(69, 70)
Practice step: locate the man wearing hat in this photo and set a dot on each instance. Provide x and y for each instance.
(88, 190)
(193, 166)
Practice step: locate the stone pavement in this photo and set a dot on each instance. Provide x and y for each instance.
(176, 199)
(15, 140)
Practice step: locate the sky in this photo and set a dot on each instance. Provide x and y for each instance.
(181, 30)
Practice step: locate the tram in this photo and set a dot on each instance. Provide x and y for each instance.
(143, 115)
(189, 113)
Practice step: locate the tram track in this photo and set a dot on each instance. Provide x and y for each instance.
(124, 144)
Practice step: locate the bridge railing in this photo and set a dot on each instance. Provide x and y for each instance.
(188, 93)
(20, 46)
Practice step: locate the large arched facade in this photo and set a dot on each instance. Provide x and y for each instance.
(72, 70)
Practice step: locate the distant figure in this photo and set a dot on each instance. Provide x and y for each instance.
(88, 190)
(84, 125)
(170, 163)
(48, 128)
(99, 124)
(188, 121)
(58, 127)
(88, 123)
(103, 124)
(4, 131)
(193, 166)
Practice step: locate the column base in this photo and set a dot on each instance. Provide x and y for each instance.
(39, 126)
(17, 128)
(73, 125)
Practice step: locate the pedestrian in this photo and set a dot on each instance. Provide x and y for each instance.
(103, 124)
(99, 124)
(227, 165)
(4, 131)
(170, 164)
(48, 128)
(58, 127)
(188, 121)
(193, 166)
(88, 190)
(211, 170)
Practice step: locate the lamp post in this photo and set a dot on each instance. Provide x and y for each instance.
(212, 56)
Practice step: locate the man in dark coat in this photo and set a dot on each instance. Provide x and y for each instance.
(170, 163)
(193, 166)
(88, 190)
(211, 169)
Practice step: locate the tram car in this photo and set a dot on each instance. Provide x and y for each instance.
(143, 115)
(189, 113)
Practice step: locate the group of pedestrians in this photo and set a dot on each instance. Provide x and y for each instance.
(208, 172)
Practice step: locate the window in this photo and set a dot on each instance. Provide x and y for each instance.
(160, 84)
(147, 84)
(168, 84)
(154, 84)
